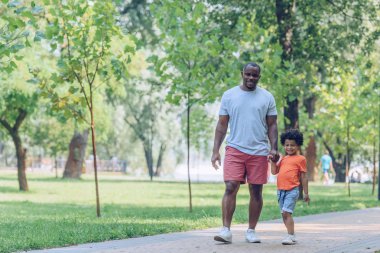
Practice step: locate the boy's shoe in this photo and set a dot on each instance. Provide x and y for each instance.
(224, 235)
(250, 236)
(289, 240)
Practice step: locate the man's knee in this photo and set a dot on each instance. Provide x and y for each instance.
(256, 191)
(232, 188)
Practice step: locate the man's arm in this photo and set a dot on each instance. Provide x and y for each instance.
(273, 137)
(220, 133)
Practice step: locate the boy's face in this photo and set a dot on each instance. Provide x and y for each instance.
(291, 147)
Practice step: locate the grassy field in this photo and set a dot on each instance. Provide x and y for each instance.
(60, 212)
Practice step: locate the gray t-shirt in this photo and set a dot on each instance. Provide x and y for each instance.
(247, 111)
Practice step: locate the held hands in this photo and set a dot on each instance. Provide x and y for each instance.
(215, 160)
(273, 156)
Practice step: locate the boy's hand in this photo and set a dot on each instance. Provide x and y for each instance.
(306, 198)
(274, 156)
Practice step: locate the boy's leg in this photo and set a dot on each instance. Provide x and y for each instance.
(289, 222)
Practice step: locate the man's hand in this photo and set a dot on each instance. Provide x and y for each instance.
(274, 156)
(306, 198)
(215, 160)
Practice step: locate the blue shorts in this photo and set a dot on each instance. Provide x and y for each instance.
(287, 199)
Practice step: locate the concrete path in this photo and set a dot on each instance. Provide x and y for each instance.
(350, 231)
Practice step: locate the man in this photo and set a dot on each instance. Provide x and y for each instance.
(251, 113)
(326, 164)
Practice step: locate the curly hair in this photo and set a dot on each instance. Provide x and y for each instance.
(292, 134)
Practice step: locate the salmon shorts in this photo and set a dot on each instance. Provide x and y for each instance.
(242, 167)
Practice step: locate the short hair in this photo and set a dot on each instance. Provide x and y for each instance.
(252, 64)
(292, 134)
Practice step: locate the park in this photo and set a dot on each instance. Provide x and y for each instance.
(110, 112)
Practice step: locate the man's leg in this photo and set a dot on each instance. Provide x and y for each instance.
(255, 204)
(229, 202)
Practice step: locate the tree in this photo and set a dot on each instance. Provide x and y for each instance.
(313, 35)
(17, 22)
(13, 113)
(147, 113)
(84, 31)
(49, 134)
(195, 56)
(352, 100)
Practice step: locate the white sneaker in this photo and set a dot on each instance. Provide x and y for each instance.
(250, 236)
(224, 235)
(289, 240)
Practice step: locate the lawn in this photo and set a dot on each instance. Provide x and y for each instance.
(60, 212)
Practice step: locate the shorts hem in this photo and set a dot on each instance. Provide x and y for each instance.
(260, 183)
(286, 210)
(234, 179)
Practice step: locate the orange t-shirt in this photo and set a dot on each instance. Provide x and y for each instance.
(290, 169)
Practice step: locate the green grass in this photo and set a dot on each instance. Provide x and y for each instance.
(60, 212)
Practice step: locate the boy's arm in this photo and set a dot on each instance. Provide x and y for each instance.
(275, 167)
(305, 185)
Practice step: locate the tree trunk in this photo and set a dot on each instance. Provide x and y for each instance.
(311, 149)
(338, 160)
(285, 10)
(94, 154)
(348, 156)
(188, 152)
(56, 166)
(77, 151)
(21, 162)
(20, 150)
(374, 168)
(311, 157)
(159, 159)
(291, 114)
(149, 159)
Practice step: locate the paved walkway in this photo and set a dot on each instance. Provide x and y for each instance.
(350, 231)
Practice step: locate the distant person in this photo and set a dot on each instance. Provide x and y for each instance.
(251, 113)
(326, 166)
(290, 170)
(124, 166)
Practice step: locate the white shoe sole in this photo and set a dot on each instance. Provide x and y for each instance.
(288, 243)
(254, 241)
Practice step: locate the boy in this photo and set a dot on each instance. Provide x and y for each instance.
(290, 169)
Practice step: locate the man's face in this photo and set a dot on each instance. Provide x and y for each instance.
(251, 76)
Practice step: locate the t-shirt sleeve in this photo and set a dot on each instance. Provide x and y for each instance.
(302, 165)
(223, 106)
(272, 107)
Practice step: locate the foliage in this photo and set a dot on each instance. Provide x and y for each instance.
(196, 60)
(351, 99)
(83, 31)
(149, 116)
(49, 134)
(59, 212)
(18, 20)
